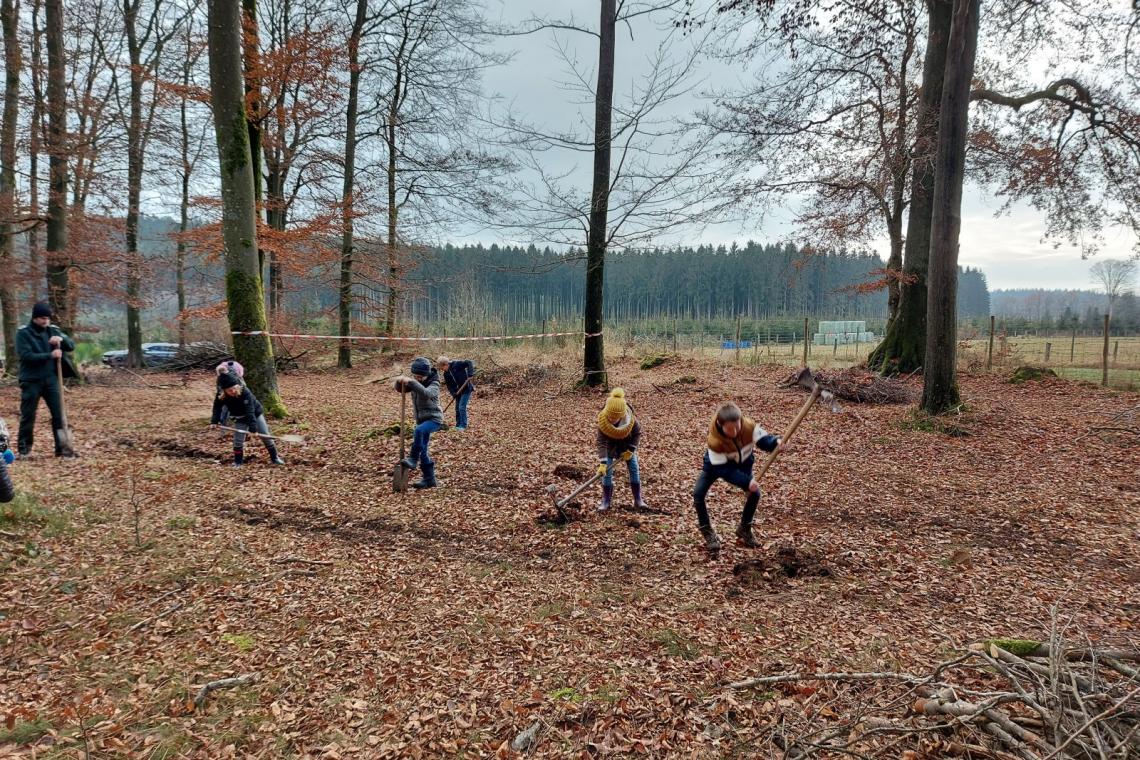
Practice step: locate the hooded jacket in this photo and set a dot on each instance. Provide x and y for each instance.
(740, 448)
(34, 349)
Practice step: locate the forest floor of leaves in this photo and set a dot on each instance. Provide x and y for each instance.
(444, 623)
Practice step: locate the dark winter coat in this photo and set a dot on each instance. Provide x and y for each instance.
(34, 350)
(243, 408)
(458, 373)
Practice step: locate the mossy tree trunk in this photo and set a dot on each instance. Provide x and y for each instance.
(903, 348)
(244, 293)
(940, 381)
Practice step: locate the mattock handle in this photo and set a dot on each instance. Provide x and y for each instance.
(791, 430)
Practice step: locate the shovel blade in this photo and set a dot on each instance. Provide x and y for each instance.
(400, 476)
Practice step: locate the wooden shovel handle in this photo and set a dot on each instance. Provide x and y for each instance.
(457, 394)
(403, 416)
(791, 429)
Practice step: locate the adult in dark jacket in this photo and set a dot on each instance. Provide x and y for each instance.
(424, 387)
(245, 414)
(459, 376)
(40, 344)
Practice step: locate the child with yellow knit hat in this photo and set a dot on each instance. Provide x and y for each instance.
(618, 435)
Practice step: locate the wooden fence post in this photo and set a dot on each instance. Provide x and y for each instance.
(674, 335)
(805, 341)
(1073, 346)
(990, 352)
(1115, 348)
(543, 343)
(738, 339)
(835, 348)
(1048, 349)
(1104, 358)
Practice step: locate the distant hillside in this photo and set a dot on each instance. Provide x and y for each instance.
(1063, 308)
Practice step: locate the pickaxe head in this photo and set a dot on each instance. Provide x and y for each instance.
(805, 379)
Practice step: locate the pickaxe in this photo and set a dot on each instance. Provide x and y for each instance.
(805, 379)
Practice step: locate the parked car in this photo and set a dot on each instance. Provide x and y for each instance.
(154, 355)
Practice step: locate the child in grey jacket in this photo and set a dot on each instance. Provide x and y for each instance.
(424, 387)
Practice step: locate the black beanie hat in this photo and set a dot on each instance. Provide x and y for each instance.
(41, 309)
(421, 366)
(228, 380)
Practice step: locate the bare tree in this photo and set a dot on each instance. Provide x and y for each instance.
(1116, 276)
(148, 29)
(651, 171)
(429, 59)
(830, 131)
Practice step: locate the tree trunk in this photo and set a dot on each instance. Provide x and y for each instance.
(9, 19)
(58, 265)
(904, 344)
(184, 204)
(251, 46)
(35, 137)
(275, 218)
(594, 361)
(344, 295)
(393, 209)
(940, 381)
(244, 294)
(134, 186)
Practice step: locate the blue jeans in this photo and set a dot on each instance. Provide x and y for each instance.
(737, 474)
(420, 440)
(634, 472)
(461, 409)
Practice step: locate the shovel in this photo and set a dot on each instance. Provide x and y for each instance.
(560, 503)
(64, 433)
(805, 379)
(401, 473)
(286, 438)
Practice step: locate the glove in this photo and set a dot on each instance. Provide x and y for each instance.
(602, 468)
(9, 457)
(626, 456)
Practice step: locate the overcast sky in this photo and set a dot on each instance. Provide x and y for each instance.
(1008, 249)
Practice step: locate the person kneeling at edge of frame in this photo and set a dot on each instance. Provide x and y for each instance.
(424, 387)
(732, 442)
(246, 414)
(7, 490)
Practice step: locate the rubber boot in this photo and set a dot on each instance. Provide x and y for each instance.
(428, 480)
(409, 464)
(638, 502)
(607, 498)
(274, 457)
(239, 457)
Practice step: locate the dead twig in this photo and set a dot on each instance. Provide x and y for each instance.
(223, 683)
(301, 561)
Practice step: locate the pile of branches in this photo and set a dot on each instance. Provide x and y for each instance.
(862, 387)
(204, 354)
(209, 354)
(1002, 699)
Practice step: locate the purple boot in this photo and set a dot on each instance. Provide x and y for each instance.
(607, 497)
(638, 502)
